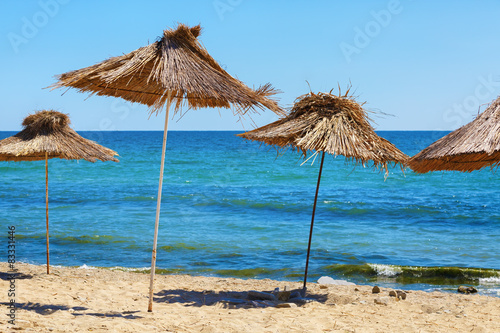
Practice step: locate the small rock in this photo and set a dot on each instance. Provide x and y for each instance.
(323, 286)
(286, 305)
(467, 290)
(392, 293)
(356, 289)
(376, 290)
(259, 295)
(472, 290)
(401, 294)
(381, 300)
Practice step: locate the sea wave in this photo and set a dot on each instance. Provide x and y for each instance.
(419, 274)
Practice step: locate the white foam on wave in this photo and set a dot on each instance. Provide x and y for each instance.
(386, 270)
(490, 280)
(84, 266)
(129, 269)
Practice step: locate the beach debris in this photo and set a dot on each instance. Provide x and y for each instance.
(467, 290)
(302, 300)
(285, 294)
(255, 295)
(260, 299)
(381, 300)
(328, 280)
(262, 304)
(286, 305)
(376, 290)
(392, 293)
(231, 303)
(296, 293)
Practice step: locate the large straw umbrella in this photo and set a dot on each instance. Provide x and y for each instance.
(47, 135)
(471, 147)
(176, 68)
(332, 124)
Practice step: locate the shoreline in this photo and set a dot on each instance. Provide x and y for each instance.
(100, 300)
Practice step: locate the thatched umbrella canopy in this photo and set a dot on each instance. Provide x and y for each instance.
(473, 146)
(332, 124)
(176, 65)
(47, 135)
(175, 68)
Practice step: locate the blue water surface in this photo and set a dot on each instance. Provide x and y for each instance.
(234, 208)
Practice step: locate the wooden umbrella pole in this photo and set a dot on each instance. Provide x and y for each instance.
(158, 204)
(312, 223)
(47, 208)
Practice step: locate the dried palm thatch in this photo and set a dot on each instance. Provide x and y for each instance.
(335, 124)
(473, 146)
(48, 132)
(47, 135)
(331, 124)
(176, 68)
(176, 63)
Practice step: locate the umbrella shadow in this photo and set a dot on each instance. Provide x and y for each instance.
(44, 309)
(111, 314)
(234, 299)
(48, 309)
(16, 276)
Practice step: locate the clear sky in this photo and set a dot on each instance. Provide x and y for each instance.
(426, 65)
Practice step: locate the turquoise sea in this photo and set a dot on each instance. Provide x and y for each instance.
(234, 208)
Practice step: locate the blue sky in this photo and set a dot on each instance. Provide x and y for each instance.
(421, 65)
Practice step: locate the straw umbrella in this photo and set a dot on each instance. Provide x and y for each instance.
(176, 68)
(47, 135)
(332, 124)
(471, 147)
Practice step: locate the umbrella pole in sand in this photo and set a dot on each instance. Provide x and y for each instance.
(158, 204)
(312, 223)
(47, 207)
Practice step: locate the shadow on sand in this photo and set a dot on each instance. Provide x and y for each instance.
(48, 309)
(233, 299)
(16, 276)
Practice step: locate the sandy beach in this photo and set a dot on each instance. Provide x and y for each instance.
(103, 300)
